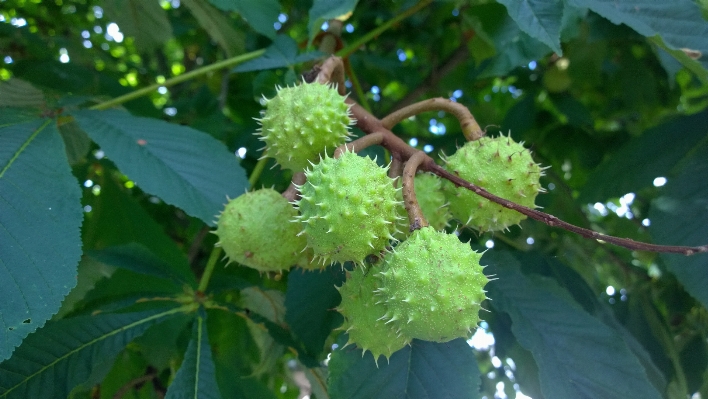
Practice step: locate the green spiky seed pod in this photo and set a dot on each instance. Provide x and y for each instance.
(255, 230)
(348, 208)
(502, 167)
(432, 201)
(433, 286)
(362, 317)
(300, 122)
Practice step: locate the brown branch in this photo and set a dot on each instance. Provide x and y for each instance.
(360, 143)
(332, 71)
(292, 193)
(555, 222)
(132, 384)
(470, 127)
(415, 214)
(396, 168)
(370, 124)
(197, 243)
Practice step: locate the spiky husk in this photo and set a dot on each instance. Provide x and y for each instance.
(362, 316)
(255, 230)
(348, 208)
(300, 122)
(433, 286)
(432, 201)
(502, 167)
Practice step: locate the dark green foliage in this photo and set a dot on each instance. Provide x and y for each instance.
(126, 124)
(421, 370)
(40, 217)
(310, 301)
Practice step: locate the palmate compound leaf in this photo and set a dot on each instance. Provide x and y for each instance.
(680, 217)
(195, 377)
(182, 166)
(40, 217)
(655, 153)
(541, 19)
(677, 22)
(422, 370)
(577, 355)
(310, 300)
(260, 14)
(62, 355)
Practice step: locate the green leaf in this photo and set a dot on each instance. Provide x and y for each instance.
(680, 217)
(677, 22)
(282, 53)
(268, 303)
(183, 166)
(309, 303)
(138, 258)
(40, 218)
(19, 93)
(636, 164)
(195, 377)
(218, 26)
(125, 288)
(514, 47)
(323, 10)
(422, 370)
(234, 357)
(143, 20)
(540, 19)
(60, 356)
(260, 14)
(577, 355)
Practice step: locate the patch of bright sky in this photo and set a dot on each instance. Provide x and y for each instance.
(282, 18)
(18, 22)
(63, 56)
(241, 152)
(482, 340)
(659, 181)
(489, 244)
(436, 128)
(375, 90)
(113, 32)
(413, 142)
